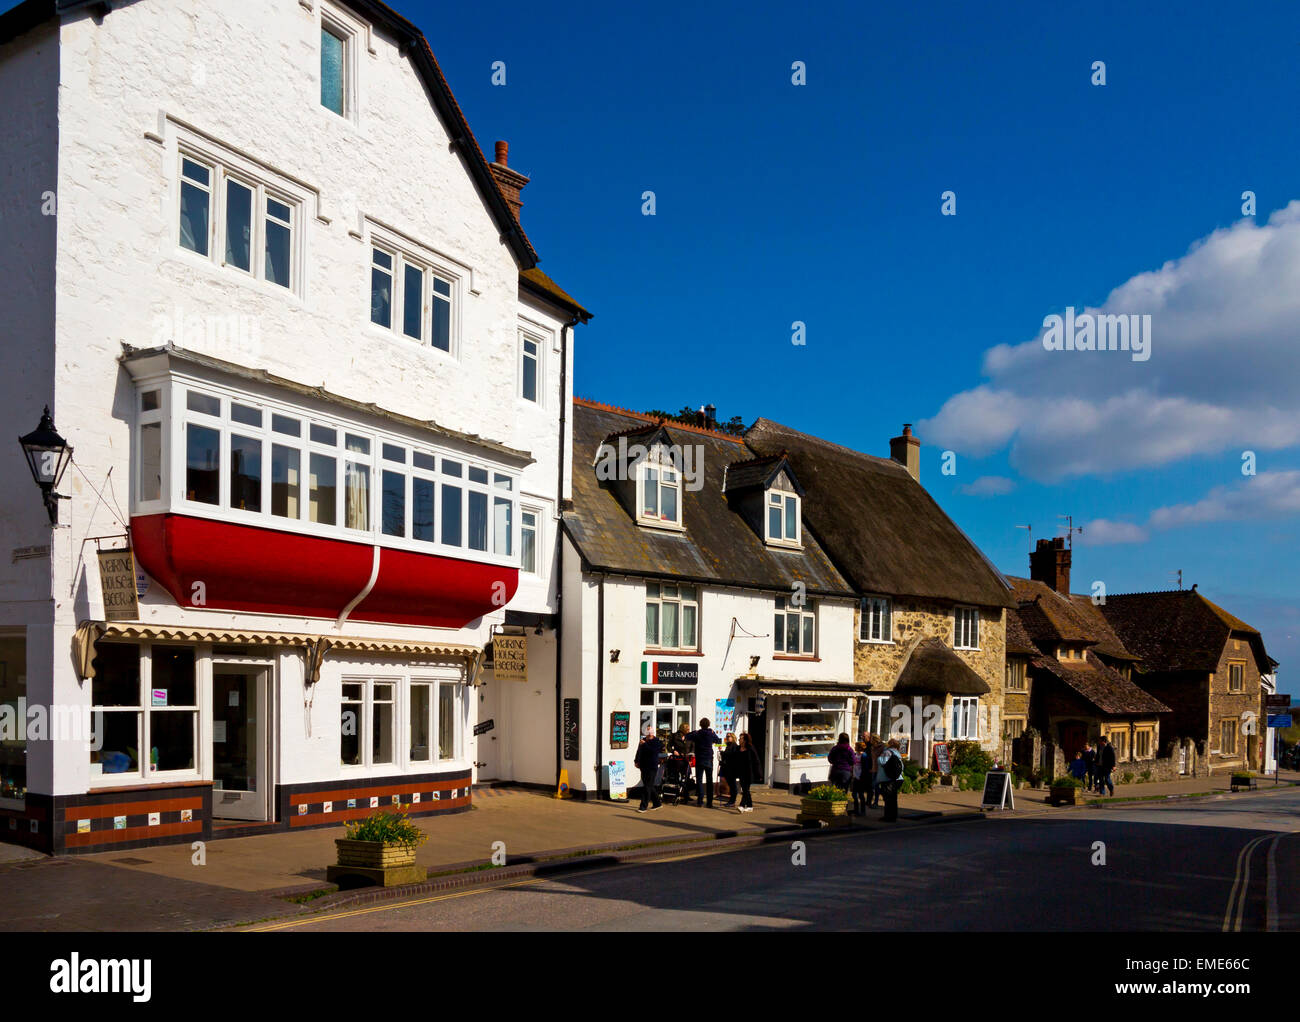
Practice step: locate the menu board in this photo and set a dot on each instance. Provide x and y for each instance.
(618, 780)
(942, 762)
(997, 789)
(620, 722)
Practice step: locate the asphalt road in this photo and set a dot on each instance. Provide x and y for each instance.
(1202, 866)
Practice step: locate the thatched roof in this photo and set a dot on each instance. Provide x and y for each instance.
(717, 544)
(885, 533)
(932, 667)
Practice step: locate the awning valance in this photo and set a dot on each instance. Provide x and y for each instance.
(90, 632)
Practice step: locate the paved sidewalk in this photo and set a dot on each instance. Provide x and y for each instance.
(246, 878)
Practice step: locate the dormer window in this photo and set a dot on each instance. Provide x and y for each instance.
(661, 495)
(783, 518)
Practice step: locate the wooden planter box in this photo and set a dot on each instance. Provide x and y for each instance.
(1063, 796)
(1238, 783)
(815, 811)
(374, 862)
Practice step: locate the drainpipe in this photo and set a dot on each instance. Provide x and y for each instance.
(559, 546)
(600, 680)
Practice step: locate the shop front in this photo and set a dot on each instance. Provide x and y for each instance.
(800, 724)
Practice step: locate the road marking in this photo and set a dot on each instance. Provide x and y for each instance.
(1240, 883)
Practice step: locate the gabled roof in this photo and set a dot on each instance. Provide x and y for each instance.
(883, 530)
(1018, 641)
(717, 545)
(1102, 686)
(31, 13)
(759, 472)
(1179, 630)
(1051, 618)
(932, 667)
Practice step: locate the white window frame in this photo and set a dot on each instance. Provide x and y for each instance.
(965, 718)
(143, 709)
(407, 253)
(400, 733)
(501, 487)
(780, 625)
(672, 594)
(790, 507)
(660, 467)
(526, 510)
(966, 626)
(876, 712)
(224, 166)
(346, 34)
(882, 625)
(526, 338)
(682, 713)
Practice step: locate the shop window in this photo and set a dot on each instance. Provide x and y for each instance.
(1015, 675)
(144, 697)
(794, 629)
(370, 707)
(350, 722)
(966, 627)
(965, 718)
(421, 716)
(13, 688)
(666, 709)
(449, 730)
(810, 729)
(876, 624)
(1228, 736)
(672, 615)
(381, 723)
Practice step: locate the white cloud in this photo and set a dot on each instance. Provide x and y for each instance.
(1220, 377)
(1267, 495)
(1104, 532)
(988, 486)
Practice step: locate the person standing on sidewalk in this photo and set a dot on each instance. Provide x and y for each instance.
(704, 740)
(861, 782)
(889, 773)
(648, 754)
(877, 748)
(750, 771)
(729, 768)
(1105, 764)
(1090, 762)
(841, 760)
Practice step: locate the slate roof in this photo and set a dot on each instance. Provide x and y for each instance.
(885, 532)
(1179, 630)
(934, 668)
(718, 546)
(1018, 640)
(1102, 686)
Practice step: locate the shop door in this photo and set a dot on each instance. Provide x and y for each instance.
(488, 756)
(240, 773)
(1072, 738)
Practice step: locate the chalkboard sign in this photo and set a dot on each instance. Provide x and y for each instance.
(997, 791)
(571, 729)
(942, 762)
(620, 722)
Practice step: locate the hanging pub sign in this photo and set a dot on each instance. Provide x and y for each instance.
(654, 672)
(510, 657)
(117, 584)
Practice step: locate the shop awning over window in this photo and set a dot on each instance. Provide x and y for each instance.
(787, 688)
(90, 632)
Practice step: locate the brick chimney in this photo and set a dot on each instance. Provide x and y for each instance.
(906, 450)
(1050, 564)
(511, 182)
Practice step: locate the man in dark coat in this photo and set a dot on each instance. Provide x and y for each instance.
(704, 740)
(1105, 764)
(648, 754)
(1090, 766)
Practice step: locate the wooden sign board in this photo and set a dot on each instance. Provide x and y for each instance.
(117, 584)
(620, 723)
(997, 791)
(570, 729)
(942, 761)
(510, 657)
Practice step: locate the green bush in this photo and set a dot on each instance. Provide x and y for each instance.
(827, 793)
(1144, 776)
(390, 828)
(1066, 781)
(969, 756)
(917, 780)
(1126, 777)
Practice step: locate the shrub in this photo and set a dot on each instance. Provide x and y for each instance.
(1144, 776)
(827, 793)
(970, 756)
(390, 828)
(1126, 777)
(1066, 781)
(1242, 777)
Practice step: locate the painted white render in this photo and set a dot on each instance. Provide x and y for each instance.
(98, 113)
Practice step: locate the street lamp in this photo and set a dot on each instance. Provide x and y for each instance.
(47, 456)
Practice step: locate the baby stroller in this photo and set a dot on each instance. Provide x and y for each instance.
(677, 779)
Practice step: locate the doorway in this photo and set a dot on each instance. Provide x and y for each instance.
(240, 769)
(1073, 738)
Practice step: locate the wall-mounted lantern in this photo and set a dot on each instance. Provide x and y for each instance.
(47, 456)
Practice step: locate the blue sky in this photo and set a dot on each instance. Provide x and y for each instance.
(821, 203)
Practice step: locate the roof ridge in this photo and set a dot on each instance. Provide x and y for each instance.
(827, 443)
(669, 423)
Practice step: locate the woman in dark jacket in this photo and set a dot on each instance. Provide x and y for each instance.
(841, 758)
(729, 767)
(750, 770)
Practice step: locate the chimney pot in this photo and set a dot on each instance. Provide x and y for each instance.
(906, 450)
(503, 150)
